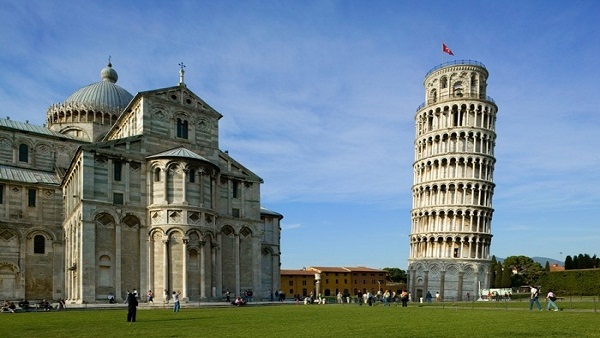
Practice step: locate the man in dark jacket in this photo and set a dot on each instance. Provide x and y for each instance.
(132, 304)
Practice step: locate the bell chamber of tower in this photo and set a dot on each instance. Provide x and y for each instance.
(453, 183)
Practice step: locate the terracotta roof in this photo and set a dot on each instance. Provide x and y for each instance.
(363, 269)
(344, 269)
(296, 272)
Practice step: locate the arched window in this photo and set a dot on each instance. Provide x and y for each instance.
(23, 153)
(182, 128)
(458, 89)
(444, 82)
(433, 95)
(39, 244)
(157, 175)
(192, 174)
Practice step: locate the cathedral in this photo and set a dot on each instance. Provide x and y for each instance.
(119, 192)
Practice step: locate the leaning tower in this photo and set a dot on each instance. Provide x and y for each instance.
(453, 183)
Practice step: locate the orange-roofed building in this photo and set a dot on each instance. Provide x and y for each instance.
(346, 280)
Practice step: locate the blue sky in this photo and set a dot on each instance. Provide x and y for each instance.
(319, 97)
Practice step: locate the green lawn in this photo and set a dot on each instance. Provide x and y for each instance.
(347, 320)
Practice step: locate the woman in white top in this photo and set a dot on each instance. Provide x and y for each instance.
(551, 298)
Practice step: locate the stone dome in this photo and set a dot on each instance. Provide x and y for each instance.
(103, 95)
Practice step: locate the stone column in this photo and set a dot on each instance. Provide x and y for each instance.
(201, 184)
(236, 259)
(184, 243)
(143, 264)
(442, 282)
(166, 262)
(202, 270)
(213, 258)
(460, 286)
(166, 186)
(218, 266)
(276, 273)
(184, 175)
(150, 263)
(256, 264)
(118, 262)
(426, 282)
(86, 267)
(126, 178)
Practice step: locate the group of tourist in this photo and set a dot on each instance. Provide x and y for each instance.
(534, 299)
(43, 305)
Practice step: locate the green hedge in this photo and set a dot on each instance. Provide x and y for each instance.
(572, 282)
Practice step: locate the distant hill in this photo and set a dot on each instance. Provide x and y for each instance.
(541, 260)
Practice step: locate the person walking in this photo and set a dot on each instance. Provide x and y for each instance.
(550, 298)
(535, 294)
(150, 296)
(176, 305)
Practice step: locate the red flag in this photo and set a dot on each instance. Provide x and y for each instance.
(445, 49)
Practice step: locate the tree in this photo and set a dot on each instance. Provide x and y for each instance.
(547, 267)
(582, 261)
(498, 277)
(506, 277)
(493, 272)
(396, 275)
(568, 263)
(528, 270)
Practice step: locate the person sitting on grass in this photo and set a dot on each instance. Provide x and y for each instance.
(24, 304)
(61, 305)
(239, 301)
(6, 307)
(44, 305)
